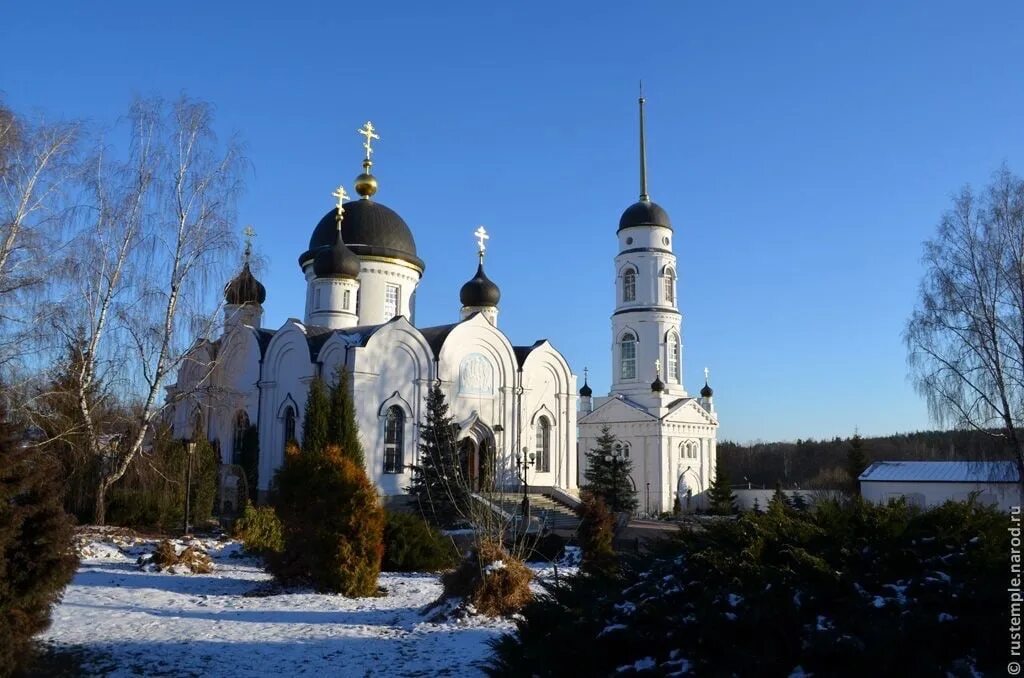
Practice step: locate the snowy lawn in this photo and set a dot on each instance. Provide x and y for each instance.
(133, 622)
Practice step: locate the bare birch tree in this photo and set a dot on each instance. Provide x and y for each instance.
(139, 275)
(36, 167)
(965, 339)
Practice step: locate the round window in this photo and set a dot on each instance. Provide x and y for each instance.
(629, 241)
(665, 240)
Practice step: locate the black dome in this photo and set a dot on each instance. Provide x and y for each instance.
(480, 291)
(368, 229)
(657, 385)
(706, 392)
(586, 391)
(244, 288)
(644, 213)
(336, 261)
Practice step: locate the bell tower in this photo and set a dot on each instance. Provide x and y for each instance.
(646, 323)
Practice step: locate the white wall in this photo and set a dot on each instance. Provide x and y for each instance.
(1003, 495)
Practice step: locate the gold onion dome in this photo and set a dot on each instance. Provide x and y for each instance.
(366, 184)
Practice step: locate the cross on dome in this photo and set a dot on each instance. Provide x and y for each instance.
(368, 131)
(706, 373)
(249, 232)
(481, 236)
(342, 196)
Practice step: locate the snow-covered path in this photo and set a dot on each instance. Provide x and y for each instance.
(150, 623)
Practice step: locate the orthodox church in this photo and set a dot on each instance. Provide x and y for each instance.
(516, 405)
(362, 270)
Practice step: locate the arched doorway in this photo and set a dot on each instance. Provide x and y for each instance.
(477, 458)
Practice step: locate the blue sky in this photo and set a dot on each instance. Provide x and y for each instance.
(803, 150)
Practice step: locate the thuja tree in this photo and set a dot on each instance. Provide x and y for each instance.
(342, 428)
(856, 461)
(721, 498)
(608, 476)
(36, 557)
(437, 483)
(315, 419)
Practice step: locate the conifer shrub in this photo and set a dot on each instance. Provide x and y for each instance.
(842, 589)
(332, 523)
(259, 530)
(36, 555)
(413, 545)
(596, 534)
(496, 583)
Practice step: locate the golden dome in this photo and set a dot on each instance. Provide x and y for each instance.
(366, 184)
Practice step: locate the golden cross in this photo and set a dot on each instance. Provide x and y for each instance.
(368, 131)
(657, 367)
(342, 196)
(706, 373)
(249, 232)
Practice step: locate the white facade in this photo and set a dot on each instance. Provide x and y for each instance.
(505, 398)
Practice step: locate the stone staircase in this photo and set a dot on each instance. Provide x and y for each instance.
(545, 512)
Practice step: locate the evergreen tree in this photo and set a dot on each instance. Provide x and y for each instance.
(342, 428)
(756, 508)
(779, 504)
(250, 460)
(721, 499)
(315, 418)
(856, 461)
(332, 523)
(596, 534)
(438, 485)
(36, 556)
(798, 502)
(608, 476)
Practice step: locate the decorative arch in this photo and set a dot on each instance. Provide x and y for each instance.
(669, 274)
(394, 421)
(542, 444)
(543, 411)
(673, 356)
(629, 284)
(395, 400)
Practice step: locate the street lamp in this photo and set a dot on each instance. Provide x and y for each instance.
(523, 463)
(648, 499)
(190, 448)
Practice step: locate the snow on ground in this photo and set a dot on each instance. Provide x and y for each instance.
(133, 622)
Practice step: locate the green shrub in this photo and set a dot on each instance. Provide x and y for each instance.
(36, 556)
(838, 590)
(259, 530)
(596, 533)
(332, 523)
(412, 545)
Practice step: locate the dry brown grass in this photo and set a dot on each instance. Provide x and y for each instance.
(493, 591)
(196, 560)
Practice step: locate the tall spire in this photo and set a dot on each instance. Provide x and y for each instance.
(643, 150)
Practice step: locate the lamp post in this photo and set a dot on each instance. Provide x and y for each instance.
(190, 448)
(616, 460)
(524, 462)
(648, 499)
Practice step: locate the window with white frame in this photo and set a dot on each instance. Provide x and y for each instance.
(670, 285)
(623, 450)
(346, 299)
(391, 308)
(629, 285)
(627, 355)
(543, 459)
(673, 357)
(394, 425)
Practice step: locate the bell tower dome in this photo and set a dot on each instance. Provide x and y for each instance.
(646, 322)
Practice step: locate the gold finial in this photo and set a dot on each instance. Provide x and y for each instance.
(481, 235)
(342, 196)
(366, 183)
(643, 149)
(657, 368)
(249, 232)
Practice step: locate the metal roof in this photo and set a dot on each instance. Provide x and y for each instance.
(942, 471)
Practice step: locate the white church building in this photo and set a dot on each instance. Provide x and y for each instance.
(362, 270)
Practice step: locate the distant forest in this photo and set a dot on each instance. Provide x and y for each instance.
(820, 463)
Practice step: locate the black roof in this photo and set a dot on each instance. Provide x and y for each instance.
(523, 352)
(480, 290)
(586, 391)
(706, 392)
(244, 288)
(369, 229)
(436, 335)
(644, 213)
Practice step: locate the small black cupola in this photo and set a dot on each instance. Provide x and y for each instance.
(244, 288)
(337, 260)
(480, 290)
(706, 392)
(657, 386)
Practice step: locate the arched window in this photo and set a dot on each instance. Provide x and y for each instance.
(629, 285)
(543, 459)
(289, 425)
(673, 357)
(394, 433)
(689, 449)
(346, 299)
(627, 355)
(622, 449)
(241, 426)
(670, 285)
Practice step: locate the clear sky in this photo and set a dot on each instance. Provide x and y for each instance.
(804, 151)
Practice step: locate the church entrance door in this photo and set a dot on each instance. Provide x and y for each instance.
(477, 459)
